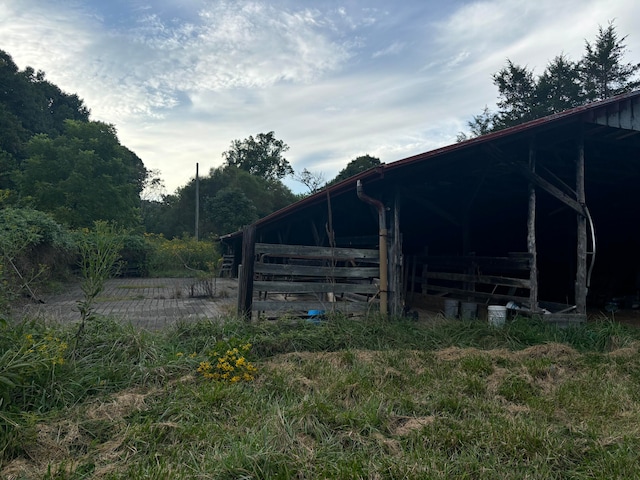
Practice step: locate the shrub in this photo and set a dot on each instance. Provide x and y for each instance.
(181, 256)
(136, 256)
(33, 249)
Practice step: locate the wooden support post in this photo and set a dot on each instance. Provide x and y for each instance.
(245, 276)
(581, 260)
(396, 303)
(531, 234)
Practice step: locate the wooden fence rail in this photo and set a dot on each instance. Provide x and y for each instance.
(296, 279)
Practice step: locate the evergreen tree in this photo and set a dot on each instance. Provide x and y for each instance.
(564, 84)
(604, 73)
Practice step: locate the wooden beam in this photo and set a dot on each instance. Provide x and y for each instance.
(245, 277)
(480, 296)
(276, 250)
(293, 270)
(551, 189)
(581, 260)
(314, 287)
(531, 233)
(304, 306)
(396, 300)
(487, 279)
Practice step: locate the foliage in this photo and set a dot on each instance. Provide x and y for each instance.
(40, 105)
(29, 105)
(83, 175)
(29, 366)
(603, 70)
(52, 158)
(343, 399)
(181, 256)
(230, 209)
(135, 255)
(174, 216)
(354, 167)
(38, 374)
(33, 247)
(564, 84)
(99, 251)
(261, 156)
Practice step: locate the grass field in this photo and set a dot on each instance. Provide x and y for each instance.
(367, 399)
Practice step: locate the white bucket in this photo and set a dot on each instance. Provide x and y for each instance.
(496, 315)
(468, 310)
(451, 308)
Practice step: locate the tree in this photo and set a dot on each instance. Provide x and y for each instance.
(563, 85)
(230, 209)
(559, 87)
(174, 215)
(312, 180)
(261, 156)
(41, 106)
(83, 176)
(480, 125)
(356, 166)
(604, 74)
(517, 95)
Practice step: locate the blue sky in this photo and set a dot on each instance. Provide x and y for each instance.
(335, 79)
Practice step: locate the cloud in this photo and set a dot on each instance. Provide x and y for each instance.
(394, 49)
(181, 79)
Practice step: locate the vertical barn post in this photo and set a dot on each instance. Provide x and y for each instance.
(531, 233)
(581, 260)
(245, 275)
(395, 262)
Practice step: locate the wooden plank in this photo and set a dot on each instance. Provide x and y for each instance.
(552, 190)
(313, 271)
(314, 287)
(458, 292)
(305, 306)
(277, 250)
(487, 279)
(519, 263)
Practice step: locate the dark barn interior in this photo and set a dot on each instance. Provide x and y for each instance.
(474, 199)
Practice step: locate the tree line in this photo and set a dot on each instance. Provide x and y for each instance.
(55, 159)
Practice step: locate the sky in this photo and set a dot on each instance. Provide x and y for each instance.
(334, 79)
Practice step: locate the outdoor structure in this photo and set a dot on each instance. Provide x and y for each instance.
(543, 214)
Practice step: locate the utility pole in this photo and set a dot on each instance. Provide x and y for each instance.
(197, 202)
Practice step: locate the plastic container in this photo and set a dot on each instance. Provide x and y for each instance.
(451, 308)
(497, 315)
(315, 316)
(468, 310)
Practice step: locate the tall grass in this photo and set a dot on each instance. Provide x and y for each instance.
(347, 398)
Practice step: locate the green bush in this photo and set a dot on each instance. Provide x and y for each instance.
(136, 256)
(33, 250)
(181, 256)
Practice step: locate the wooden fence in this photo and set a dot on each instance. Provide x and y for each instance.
(479, 279)
(297, 279)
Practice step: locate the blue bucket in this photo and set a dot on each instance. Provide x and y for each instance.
(315, 316)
